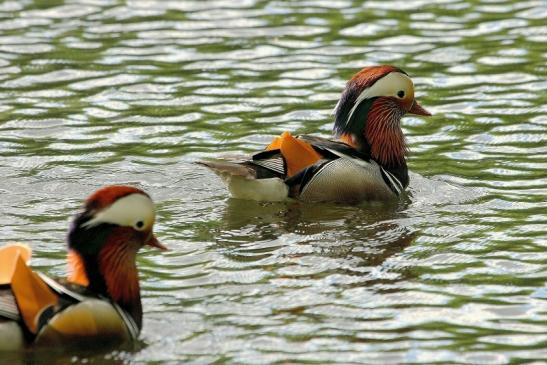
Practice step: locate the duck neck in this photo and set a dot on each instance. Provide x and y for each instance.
(112, 273)
(117, 265)
(384, 135)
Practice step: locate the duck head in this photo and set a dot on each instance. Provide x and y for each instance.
(103, 242)
(369, 112)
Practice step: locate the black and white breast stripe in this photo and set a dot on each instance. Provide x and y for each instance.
(132, 327)
(391, 181)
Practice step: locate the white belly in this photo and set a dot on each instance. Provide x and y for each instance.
(272, 189)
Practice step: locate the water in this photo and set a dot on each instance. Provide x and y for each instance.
(98, 92)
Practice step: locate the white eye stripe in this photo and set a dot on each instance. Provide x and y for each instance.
(127, 211)
(388, 85)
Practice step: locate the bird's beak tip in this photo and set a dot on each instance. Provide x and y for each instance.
(417, 109)
(154, 242)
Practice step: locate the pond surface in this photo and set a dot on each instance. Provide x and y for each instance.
(98, 92)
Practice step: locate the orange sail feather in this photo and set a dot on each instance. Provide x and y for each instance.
(297, 153)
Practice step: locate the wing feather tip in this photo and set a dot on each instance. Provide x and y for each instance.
(228, 168)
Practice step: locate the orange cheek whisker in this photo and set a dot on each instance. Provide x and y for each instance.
(76, 269)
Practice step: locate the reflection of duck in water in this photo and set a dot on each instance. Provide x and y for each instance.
(366, 161)
(254, 231)
(101, 303)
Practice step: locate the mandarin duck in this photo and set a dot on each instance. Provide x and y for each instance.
(365, 161)
(100, 302)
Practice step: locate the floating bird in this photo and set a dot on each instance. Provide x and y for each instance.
(100, 303)
(364, 162)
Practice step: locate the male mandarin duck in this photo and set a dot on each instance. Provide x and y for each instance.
(100, 302)
(365, 161)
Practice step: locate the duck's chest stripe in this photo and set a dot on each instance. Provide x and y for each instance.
(132, 327)
(391, 181)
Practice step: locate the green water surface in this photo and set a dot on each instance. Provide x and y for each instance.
(94, 92)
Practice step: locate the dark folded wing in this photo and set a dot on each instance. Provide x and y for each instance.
(333, 149)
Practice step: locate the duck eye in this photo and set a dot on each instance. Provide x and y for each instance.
(139, 224)
(401, 94)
